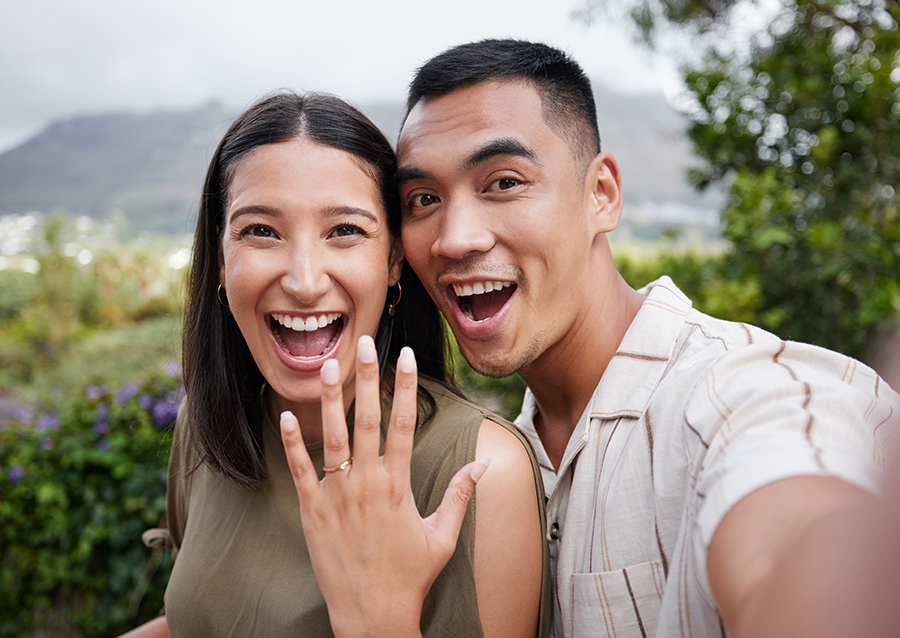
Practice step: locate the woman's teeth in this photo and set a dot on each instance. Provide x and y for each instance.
(467, 290)
(308, 324)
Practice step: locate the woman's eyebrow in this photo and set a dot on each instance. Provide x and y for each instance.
(252, 210)
(338, 211)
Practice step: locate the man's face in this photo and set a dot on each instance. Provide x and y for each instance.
(495, 222)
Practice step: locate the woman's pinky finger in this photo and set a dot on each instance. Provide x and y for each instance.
(305, 479)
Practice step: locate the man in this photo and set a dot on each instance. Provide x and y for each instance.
(690, 464)
(702, 476)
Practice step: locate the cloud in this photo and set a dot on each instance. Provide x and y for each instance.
(60, 58)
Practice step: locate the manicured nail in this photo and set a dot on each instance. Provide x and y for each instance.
(288, 424)
(479, 469)
(407, 360)
(331, 372)
(365, 349)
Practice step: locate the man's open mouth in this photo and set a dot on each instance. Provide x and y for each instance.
(307, 337)
(482, 300)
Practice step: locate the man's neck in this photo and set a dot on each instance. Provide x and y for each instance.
(564, 377)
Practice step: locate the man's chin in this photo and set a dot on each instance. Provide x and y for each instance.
(494, 364)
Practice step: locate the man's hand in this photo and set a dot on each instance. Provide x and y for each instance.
(374, 556)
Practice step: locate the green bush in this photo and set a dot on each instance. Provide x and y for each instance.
(77, 490)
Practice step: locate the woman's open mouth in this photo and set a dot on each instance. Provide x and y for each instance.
(307, 337)
(482, 300)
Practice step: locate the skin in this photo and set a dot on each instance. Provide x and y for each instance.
(474, 211)
(304, 227)
(490, 192)
(306, 235)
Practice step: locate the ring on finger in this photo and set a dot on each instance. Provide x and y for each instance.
(338, 468)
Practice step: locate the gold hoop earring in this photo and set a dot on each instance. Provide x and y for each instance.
(392, 307)
(222, 296)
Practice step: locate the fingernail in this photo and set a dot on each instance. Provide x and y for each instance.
(331, 372)
(288, 424)
(365, 349)
(407, 360)
(479, 469)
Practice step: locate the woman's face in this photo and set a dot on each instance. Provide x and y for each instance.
(306, 261)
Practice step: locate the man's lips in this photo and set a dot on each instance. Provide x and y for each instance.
(479, 301)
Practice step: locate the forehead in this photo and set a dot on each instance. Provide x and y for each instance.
(470, 116)
(300, 172)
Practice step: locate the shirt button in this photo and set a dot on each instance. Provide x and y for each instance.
(554, 532)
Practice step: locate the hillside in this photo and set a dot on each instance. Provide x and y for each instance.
(146, 170)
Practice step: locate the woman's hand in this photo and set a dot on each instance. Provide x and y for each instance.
(374, 556)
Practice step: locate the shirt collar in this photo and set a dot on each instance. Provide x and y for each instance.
(632, 375)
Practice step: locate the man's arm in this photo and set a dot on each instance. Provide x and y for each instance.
(781, 561)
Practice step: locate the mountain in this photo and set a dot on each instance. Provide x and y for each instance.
(147, 169)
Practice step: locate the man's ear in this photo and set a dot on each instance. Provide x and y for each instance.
(395, 262)
(603, 193)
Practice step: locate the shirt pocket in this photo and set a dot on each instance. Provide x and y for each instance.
(625, 602)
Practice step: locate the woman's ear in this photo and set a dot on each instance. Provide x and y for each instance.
(603, 193)
(221, 267)
(395, 262)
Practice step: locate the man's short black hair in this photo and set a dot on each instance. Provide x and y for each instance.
(566, 95)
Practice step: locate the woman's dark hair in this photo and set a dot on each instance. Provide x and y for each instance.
(222, 381)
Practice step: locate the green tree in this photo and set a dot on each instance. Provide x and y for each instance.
(802, 127)
(806, 135)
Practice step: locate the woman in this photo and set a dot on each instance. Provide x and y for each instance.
(296, 262)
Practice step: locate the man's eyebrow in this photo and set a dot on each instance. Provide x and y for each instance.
(496, 148)
(407, 174)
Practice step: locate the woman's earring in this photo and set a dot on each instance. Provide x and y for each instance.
(222, 296)
(392, 307)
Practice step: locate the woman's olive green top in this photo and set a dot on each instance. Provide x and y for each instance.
(242, 567)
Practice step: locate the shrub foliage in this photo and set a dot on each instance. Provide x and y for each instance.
(77, 490)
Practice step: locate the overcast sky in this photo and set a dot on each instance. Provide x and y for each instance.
(60, 58)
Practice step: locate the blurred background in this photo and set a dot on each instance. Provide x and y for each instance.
(758, 142)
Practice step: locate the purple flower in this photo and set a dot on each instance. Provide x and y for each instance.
(145, 401)
(47, 422)
(11, 412)
(102, 411)
(128, 390)
(101, 428)
(46, 443)
(103, 445)
(165, 412)
(173, 368)
(95, 392)
(16, 474)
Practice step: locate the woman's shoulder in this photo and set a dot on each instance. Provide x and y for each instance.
(476, 430)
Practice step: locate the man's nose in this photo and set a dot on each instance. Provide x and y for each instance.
(465, 230)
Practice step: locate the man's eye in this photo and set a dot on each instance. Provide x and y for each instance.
(505, 183)
(425, 199)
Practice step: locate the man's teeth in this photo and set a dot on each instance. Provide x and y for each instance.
(467, 290)
(308, 324)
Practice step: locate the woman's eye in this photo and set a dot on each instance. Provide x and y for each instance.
(258, 230)
(347, 230)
